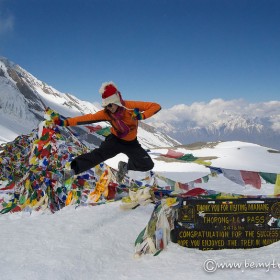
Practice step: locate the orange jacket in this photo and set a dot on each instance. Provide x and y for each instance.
(148, 109)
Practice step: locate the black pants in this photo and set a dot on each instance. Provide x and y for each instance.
(138, 158)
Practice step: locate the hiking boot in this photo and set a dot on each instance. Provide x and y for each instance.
(68, 173)
(122, 166)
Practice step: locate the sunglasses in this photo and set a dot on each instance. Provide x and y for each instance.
(110, 105)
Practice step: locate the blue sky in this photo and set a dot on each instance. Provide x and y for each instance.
(168, 51)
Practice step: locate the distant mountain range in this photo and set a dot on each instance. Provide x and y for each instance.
(23, 99)
(233, 128)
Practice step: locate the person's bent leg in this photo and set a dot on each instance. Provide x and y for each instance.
(108, 149)
(138, 158)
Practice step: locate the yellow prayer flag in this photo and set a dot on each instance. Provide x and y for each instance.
(277, 185)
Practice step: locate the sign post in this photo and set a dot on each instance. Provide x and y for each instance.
(212, 224)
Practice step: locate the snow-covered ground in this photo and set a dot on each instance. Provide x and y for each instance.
(97, 242)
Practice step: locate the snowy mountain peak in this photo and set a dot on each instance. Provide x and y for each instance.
(24, 99)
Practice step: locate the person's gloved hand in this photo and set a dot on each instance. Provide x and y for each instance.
(137, 115)
(58, 120)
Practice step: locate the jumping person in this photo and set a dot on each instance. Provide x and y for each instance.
(123, 116)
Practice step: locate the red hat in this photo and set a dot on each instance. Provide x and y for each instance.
(110, 94)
